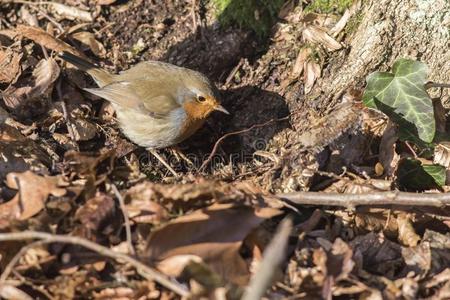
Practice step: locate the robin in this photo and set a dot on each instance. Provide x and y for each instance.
(157, 104)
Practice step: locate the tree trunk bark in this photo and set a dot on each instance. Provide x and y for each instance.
(388, 30)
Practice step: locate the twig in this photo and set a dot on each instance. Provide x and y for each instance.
(437, 85)
(216, 145)
(144, 270)
(194, 16)
(272, 259)
(126, 218)
(12, 263)
(233, 72)
(368, 199)
(66, 114)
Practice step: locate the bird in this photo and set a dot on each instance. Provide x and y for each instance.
(157, 104)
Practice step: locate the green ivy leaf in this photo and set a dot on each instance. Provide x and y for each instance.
(413, 175)
(401, 95)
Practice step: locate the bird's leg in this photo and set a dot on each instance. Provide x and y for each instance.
(176, 151)
(163, 161)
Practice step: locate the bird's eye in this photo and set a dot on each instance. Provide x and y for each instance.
(201, 99)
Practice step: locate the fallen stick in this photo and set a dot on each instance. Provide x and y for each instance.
(368, 199)
(144, 270)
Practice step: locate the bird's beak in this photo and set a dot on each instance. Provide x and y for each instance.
(222, 109)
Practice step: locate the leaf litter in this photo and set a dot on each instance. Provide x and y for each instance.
(213, 233)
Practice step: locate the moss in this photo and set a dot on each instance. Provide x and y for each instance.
(257, 15)
(328, 6)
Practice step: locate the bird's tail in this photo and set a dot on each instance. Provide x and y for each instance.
(100, 76)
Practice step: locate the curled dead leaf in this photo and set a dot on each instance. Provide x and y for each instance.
(33, 191)
(316, 34)
(406, 233)
(71, 12)
(33, 97)
(105, 2)
(19, 153)
(95, 214)
(442, 154)
(388, 157)
(46, 40)
(299, 64)
(9, 65)
(88, 39)
(8, 291)
(83, 129)
(214, 234)
(311, 73)
(27, 17)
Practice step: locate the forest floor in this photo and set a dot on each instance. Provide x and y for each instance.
(67, 170)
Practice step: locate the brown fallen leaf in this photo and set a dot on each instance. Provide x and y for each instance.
(27, 17)
(311, 73)
(83, 129)
(45, 39)
(144, 210)
(70, 12)
(335, 264)
(94, 215)
(9, 65)
(316, 34)
(33, 97)
(33, 191)
(19, 153)
(105, 2)
(442, 154)
(214, 234)
(299, 64)
(388, 157)
(406, 233)
(8, 291)
(88, 39)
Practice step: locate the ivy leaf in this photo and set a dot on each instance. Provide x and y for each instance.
(401, 95)
(413, 175)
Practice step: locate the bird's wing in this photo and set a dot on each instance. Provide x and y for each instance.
(145, 96)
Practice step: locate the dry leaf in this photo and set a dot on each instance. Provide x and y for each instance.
(406, 233)
(95, 214)
(142, 210)
(18, 153)
(88, 39)
(83, 129)
(11, 292)
(46, 40)
(388, 157)
(105, 2)
(316, 34)
(311, 74)
(33, 191)
(442, 154)
(33, 98)
(299, 64)
(418, 258)
(9, 65)
(71, 13)
(27, 17)
(337, 28)
(214, 234)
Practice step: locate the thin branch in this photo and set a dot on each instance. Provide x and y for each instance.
(12, 263)
(273, 257)
(126, 219)
(144, 270)
(219, 141)
(368, 199)
(437, 85)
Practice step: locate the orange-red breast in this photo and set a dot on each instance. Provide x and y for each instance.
(157, 104)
